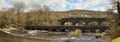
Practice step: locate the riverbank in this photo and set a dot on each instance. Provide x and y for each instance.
(11, 38)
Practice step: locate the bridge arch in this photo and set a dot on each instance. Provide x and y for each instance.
(56, 30)
(105, 23)
(80, 23)
(93, 23)
(68, 23)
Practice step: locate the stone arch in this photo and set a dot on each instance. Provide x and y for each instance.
(93, 23)
(53, 30)
(63, 30)
(46, 29)
(68, 23)
(80, 23)
(105, 23)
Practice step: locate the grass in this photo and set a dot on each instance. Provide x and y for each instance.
(116, 40)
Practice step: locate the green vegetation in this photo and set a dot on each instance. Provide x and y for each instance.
(36, 17)
(75, 33)
(4, 21)
(116, 40)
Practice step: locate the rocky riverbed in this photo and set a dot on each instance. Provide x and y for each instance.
(20, 36)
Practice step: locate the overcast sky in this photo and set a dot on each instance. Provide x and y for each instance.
(61, 5)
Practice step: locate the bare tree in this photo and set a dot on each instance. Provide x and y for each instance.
(115, 6)
(11, 10)
(19, 7)
(115, 29)
(41, 11)
(46, 8)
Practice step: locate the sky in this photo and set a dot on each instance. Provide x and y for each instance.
(61, 5)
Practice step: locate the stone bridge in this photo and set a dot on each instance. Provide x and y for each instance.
(84, 21)
(68, 28)
(71, 24)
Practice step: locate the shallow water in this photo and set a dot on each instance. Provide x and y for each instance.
(5, 37)
(18, 36)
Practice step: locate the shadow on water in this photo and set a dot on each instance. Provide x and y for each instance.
(5, 37)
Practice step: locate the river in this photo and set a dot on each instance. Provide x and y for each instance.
(16, 36)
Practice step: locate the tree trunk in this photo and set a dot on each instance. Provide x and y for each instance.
(118, 8)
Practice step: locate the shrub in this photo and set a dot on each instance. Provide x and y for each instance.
(114, 32)
(75, 33)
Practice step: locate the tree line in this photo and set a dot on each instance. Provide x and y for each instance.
(16, 16)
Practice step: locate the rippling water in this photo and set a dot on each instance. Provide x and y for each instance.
(18, 36)
(6, 37)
